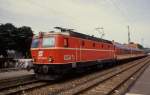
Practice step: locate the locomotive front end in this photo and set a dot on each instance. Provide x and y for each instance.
(43, 53)
(48, 54)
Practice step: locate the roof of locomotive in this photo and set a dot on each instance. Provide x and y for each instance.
(84, 36)
(76, 34)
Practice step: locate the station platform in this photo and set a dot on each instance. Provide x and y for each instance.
(12, 74)
(142, 85)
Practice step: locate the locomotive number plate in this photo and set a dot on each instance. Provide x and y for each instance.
(67, 57)
(40, 53)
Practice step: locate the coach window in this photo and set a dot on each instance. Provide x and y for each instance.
(65, 42)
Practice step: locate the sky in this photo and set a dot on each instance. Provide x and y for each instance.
(84, 16)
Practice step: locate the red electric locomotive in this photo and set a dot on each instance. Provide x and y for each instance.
(59, 52)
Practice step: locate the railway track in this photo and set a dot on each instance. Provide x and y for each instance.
(9, 69)
(106, 84)
(99, 83)
(114, 83)
(19, 84)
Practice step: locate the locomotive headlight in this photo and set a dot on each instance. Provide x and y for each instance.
(45, 69)
(33, 60)
(50, 59)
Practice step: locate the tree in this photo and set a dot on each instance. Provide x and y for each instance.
(140, 46)
(6, 31)
(18, 39)
(25, 38)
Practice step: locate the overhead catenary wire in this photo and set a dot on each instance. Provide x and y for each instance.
(122, 12)
(124, 15)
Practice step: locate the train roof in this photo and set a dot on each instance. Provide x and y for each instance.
(122, 46)
(84, 36)
(80, 35)
(72, 33)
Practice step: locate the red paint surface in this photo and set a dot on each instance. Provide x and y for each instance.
(76, 51)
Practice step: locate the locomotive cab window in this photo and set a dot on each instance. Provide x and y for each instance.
(48, 42)
(65, 42)
(35, 43)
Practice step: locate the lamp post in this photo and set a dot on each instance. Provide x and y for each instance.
(128, 34)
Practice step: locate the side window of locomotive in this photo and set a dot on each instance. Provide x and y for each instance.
(35, 43)
(114, 47)
(93, 44)
(108, 46)
(83, 43)
(102, 45)
(66, 44)
(48, 42)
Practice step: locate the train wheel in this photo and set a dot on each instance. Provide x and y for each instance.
(6, 64)
(100, 65)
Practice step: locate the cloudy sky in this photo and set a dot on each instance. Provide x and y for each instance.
(83, 16)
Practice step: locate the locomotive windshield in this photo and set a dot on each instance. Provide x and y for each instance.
(48, 42)
(35, 43)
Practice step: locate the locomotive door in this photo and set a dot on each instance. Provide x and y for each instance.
(78, 52)
(81, 49)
